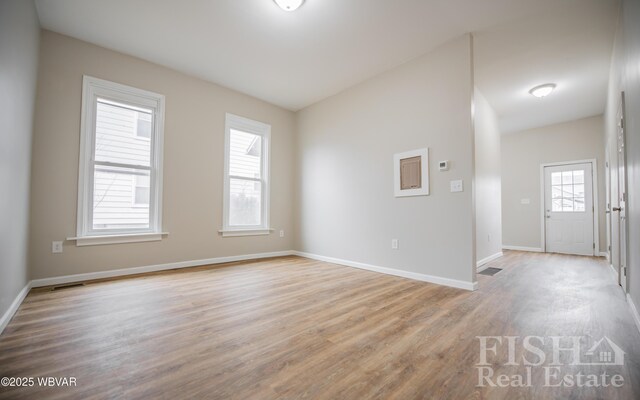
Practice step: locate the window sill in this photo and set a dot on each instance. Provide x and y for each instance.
(245, 232)
(114, 239)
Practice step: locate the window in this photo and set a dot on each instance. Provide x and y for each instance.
(142, 190)
(246, 177)
(143, 125)
(567, 191)
(120, 182)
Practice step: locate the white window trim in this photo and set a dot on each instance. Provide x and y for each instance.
(257, 128)
(92, 88)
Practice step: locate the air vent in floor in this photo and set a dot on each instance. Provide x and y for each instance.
(69, 286)
(490, 271)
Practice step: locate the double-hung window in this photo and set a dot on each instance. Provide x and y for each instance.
(120, 171)
(246, 177)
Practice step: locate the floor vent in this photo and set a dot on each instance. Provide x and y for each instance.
(490, 271)
(69, 286)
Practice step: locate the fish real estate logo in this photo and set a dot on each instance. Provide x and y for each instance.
(552, 361)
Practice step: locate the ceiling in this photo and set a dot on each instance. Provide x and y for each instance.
(569, 44)
(294, 59)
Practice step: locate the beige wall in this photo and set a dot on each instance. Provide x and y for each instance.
(625, 76)
(19, 37)
(346, 203)
(523, 153)
(193, 163)
(487, 179)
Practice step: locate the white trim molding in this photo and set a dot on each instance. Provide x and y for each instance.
(481, 265)
(153, 268)
(262, 130)
(423, 190)
(522, 248)
(245, 232)
(615, 273)
(392, 271)
(6, 317)
(113, 239)
(634, 311)
(94, 91)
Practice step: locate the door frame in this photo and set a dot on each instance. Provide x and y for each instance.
(594, 193)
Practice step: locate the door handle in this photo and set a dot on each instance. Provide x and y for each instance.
(617, 209)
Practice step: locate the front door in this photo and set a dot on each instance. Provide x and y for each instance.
(569, 209)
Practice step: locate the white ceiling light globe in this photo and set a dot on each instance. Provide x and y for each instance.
(543, 90)
(289, 5)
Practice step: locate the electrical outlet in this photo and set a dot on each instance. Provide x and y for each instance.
(56, 247)
(394, 244)
(281, 232)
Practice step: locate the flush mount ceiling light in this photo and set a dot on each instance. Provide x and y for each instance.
(543, 90)
(289, 5)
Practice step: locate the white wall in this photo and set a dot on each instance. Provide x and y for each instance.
(625, 76)
(487, 180)
(523, 153)
(193, 163)
(19, 37)
(346, 204)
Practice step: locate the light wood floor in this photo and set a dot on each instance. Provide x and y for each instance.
(291, 327)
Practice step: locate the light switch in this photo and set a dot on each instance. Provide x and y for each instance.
(456, 186)
(282, 233)
(394, 244)
(56, 247)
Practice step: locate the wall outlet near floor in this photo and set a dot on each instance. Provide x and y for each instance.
(394, 244)
(281, 232)
(456, 186)
(56, 247)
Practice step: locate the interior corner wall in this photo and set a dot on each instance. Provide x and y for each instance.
(347, 209)
(193, 163)
(523, 153)
(625, 76)
(19, 41)
(487, 180)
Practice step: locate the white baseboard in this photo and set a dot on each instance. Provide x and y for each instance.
(522, 248)
(605, 254)
(392, 271)
(634, 311)
(615, 273)
(481, 265)
(58, 280)
(4, 321)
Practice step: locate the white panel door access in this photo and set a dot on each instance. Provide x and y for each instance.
(568, 191)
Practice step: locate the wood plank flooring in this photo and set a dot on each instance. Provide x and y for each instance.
(293, 328)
